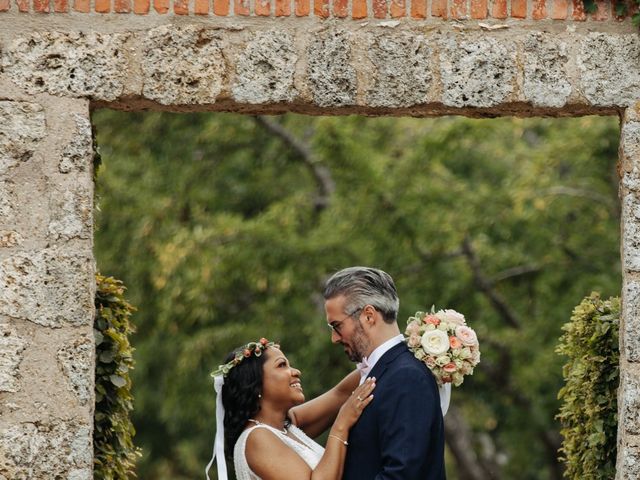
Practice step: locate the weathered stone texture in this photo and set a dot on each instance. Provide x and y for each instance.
(11, 354)
(546, 83)
(630, 150)
(631, 327)
(183, 65)
(71, 214)
(49, 288)
(610, 68)
(6, 209)
(31, 451)
(630, 459)
(73, 64)
(332, 76)
(22, 126)
(265, 70)
(77, 155)
(403, 66)
(631, 232)
(476, 73)
(77, 363)
(630, 408)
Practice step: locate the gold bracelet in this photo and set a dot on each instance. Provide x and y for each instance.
(343, 441)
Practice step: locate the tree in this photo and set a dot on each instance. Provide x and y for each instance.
(224, 228)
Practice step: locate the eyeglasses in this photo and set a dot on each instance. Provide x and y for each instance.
(336, 325)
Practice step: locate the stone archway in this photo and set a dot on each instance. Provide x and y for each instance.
(429, 58)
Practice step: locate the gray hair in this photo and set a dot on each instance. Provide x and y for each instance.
(365, 286)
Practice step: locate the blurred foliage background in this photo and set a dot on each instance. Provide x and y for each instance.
(224, 228)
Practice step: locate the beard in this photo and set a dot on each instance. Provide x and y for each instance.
(360, 344)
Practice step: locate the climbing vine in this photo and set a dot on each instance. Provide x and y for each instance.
(114, 451)
(589, 410)
(622, 9)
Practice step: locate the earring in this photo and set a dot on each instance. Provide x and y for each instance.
(259, 395)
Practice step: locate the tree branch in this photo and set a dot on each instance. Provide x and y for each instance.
(320, 173)
(486, 286)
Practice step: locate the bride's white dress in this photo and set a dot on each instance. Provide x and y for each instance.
(309, 450)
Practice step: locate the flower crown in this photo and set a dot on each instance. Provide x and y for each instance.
(251, 348)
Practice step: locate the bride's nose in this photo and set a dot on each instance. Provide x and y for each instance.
(295, 372)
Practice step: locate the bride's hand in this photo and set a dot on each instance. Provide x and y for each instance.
(352, 409)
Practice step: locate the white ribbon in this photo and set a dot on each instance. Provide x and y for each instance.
(445, 397)
(218, 446)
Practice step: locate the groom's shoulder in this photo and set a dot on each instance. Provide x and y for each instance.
(408, 368)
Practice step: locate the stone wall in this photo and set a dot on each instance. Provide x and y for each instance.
(54, 68)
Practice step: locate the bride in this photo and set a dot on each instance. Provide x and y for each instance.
(267, 425)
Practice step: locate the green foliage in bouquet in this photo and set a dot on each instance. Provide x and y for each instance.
(589, 410)
(114, 451)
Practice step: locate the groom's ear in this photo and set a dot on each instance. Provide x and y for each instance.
(369, 314)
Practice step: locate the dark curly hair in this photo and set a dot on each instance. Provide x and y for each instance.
(240, 396)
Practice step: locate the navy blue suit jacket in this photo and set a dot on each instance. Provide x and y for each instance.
(400, 435)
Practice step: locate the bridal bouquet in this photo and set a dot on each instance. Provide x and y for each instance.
(444, 342)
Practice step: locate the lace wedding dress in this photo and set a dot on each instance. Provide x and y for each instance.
(309, 450)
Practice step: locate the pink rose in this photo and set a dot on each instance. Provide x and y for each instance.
(413, 328)
(431, 362)
(414, 340)
(450, 367)
(452, 317)
(455, 342)
(467, 336)
(432, 320)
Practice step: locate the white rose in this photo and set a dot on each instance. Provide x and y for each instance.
(435, 342)
(451, 316)
(443, 360)
(465, 353)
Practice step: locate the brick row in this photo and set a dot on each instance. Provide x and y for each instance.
(355, 9)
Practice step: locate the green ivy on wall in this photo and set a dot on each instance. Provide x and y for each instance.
(589, 410)
(622, 9)
(114, 452)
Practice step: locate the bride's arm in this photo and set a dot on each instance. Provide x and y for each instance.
(273, 460)
(316, 415)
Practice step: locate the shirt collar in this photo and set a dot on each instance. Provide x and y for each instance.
(382, 349)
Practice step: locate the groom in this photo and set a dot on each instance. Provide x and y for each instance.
(400, 435)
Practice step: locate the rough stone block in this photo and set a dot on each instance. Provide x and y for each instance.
(545, 79)
(630, 155)
(631, 312)
(22, 126)
(11, 348)
(332, 77)
(476, 73)
(403, 64)
(77, 156)
(49, 450)
(183, 65)
(265, 70)
(73, 64)
(630, 408)
(9, 238)
(71, 214)
(49, 287)
(630, 459)
(77, 363)
(610, 68)
(6, 209)
(631, 233)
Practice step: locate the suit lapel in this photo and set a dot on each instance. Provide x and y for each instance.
(389, 356)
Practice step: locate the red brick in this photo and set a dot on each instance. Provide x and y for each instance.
(602, 13)
(302, 8)
(359, 9)
(539, 9)
(122, 6)
(479, 9)
(321, 8)
(380, 8)
(418, 8)
(439, 8)
(181, 7)
(262, 8)
(283, 8)
(340, 8)
(459, 9)
(578, 10)
(141, 7)
(519, 8)
(103, 6)
(60, 6)
(201, 7)
(41, 6)
(241, 7)
(499, 9)
(4, 5)
(23, 5)
(398, 8)
(221, 8)
(560, 9)
(81, 6)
